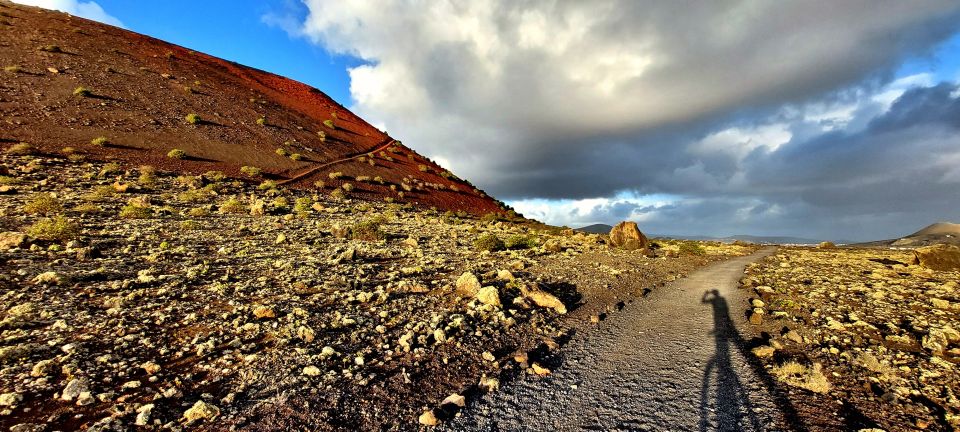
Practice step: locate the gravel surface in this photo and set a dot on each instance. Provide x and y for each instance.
(671, 361)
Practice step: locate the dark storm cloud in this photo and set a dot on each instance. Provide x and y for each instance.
(570, 99)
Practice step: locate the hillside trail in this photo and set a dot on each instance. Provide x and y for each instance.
(314, 169)
(673, 360)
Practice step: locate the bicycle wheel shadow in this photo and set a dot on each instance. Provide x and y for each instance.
(732, 407)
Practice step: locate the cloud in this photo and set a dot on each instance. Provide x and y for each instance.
(86, 9)
(560, 102)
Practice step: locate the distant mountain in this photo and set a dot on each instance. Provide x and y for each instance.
(605, 229)
(747, 238)
(940, 232)
(596, 229)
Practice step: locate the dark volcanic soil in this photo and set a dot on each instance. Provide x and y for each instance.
(273, 308)
(141, 89)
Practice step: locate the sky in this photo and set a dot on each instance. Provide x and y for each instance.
(819, 119)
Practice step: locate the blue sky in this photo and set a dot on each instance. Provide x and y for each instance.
(743, 116)
(240, 31)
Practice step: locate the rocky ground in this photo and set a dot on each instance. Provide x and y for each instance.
(865, 338)
(131, 297)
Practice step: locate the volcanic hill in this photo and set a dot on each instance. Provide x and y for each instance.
(72, 85)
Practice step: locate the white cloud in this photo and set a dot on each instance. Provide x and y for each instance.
(86, 9)
(522, 79)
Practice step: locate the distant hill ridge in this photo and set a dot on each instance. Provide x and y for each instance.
(605, 229)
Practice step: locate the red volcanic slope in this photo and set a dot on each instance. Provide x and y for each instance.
(143, 88)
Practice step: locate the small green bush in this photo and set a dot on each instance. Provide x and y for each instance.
(20, 149)
(329, 123)
(43, 203)
(177, 154)
(148, 175)
(193, 119)
(58, 228)
(335, 175)
(520, 241)
(133, 211)
(12, 69)
(232, 205)
(282, 152)
(100, 193)
(348, 187)
(251, 171)
(320, 184)
(489, 242)
(87, 208)
(322, 135)
(267, 185)
(296, 156)
(489, 217)
(423, 168)
(82, 92)
(189, 225)
(51, 49)
(100, 141)
(262, 121)
(198, 212)
(302, 205)
(215, 176)
(369, 230)
(337, 194)
(691, 248)
(280, 203)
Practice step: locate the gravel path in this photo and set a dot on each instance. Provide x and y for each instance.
(671, 361)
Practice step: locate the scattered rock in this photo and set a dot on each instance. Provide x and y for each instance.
(264, 312)
(938, 257)
(428, 418)
(201, 411)
(764, 351)
(468, 285)
(489, 296)
(11, 240)
(74, 388)
(627, 235)
(48, 278)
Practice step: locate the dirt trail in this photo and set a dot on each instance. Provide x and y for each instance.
(671, 361)
(313, 170)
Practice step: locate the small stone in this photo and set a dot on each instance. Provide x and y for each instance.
(74, 387)
(488, 356)
(262, 312)
(10, 240)
(201, 411)
(143, 414)
(489, 296)
(150, 367)
(764, 351)
(428, 418)
(85, 398)
(311, 371)
(10, 399)
(539, 370)
(42, 368)
(468, 284)
(793, 336)
(505, 275)
(489, 384)
(48, 278)
(757, 303)
(455, 399)
(281, 238)
(756, 318)
(410, 242)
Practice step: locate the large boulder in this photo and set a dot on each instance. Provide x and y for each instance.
(938, 257)
(626, 235)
